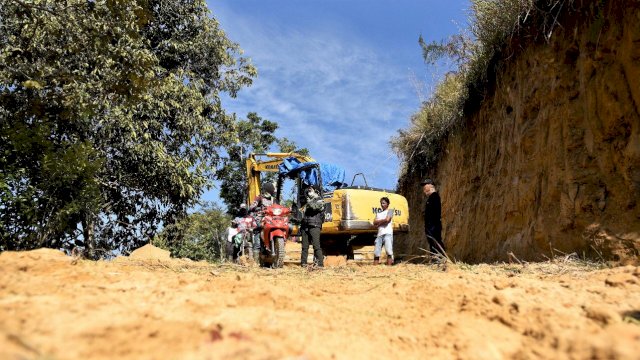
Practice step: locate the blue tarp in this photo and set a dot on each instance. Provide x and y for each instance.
(332, 175)
(289, 164)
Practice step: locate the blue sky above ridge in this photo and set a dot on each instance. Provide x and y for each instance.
(340, 77)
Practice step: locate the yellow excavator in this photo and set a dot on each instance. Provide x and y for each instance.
(348, 229)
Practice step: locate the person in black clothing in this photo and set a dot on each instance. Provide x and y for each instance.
(432, 218)
(313, 217)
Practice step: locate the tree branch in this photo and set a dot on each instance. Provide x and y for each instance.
(33, 6)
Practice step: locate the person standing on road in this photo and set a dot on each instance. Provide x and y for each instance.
(432, 218)
(232, 231)
(313, 217)
(243, 240)
(385, 232)
(262, 201)
(256, 209)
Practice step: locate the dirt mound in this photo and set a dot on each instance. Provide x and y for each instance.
(42, 253)
(19, 261)
(173, 309)
(150, 252)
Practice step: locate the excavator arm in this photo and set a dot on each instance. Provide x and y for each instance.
(268, 162)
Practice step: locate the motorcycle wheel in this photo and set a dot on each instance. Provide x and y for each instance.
(278, 260)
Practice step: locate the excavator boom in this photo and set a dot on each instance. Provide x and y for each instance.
(267, 162)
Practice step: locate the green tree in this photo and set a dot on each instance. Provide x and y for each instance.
(255, 135)
(198, 236)
(110, 118)
(285, 145)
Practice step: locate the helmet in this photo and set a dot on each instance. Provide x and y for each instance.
(269, 189)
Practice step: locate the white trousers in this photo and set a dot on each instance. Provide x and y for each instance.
(387, 240)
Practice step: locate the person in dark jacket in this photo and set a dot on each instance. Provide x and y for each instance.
(312, 219)
(432, 217)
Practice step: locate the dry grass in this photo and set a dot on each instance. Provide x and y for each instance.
(411, 267)
(560, 264)
(493, 25)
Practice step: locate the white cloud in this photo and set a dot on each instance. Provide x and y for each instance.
(329, 92)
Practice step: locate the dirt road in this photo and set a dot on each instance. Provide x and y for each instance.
(56, 307)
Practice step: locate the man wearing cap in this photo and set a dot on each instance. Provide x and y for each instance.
(432, 217)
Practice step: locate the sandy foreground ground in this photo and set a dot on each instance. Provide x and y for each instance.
(151, 307)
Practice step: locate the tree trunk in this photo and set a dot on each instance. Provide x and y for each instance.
(222, 246)
(88, 228)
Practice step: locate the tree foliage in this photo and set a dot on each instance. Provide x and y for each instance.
(254, 135)
(110, 117)
(198, 236)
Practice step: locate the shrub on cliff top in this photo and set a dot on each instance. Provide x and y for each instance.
(493, 24)
(422, 142)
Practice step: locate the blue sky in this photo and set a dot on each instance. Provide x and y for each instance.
(340, 77)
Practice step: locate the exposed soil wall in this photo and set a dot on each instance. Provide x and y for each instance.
(551, 158)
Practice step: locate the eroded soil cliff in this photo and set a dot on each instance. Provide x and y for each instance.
(550, 160)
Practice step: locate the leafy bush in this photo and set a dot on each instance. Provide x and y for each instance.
(198, 236)
(423, 142)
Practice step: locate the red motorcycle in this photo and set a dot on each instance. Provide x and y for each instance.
(275, 231)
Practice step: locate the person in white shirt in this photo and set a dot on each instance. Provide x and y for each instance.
(231, 232)
(384, 223)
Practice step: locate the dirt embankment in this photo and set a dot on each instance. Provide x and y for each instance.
(551, 158)
(56, 307)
